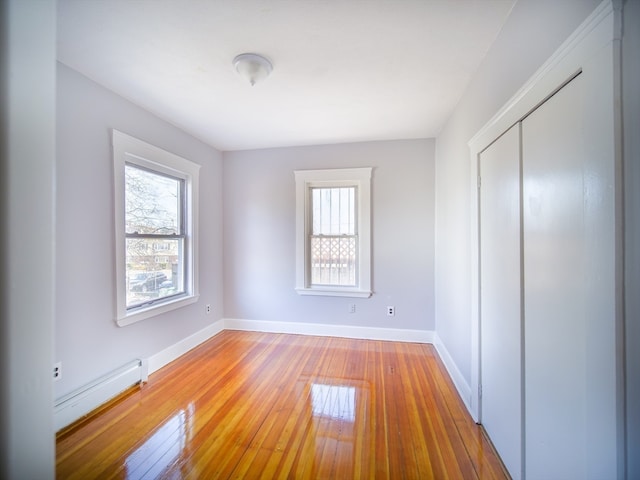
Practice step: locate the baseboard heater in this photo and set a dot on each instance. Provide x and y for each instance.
(76, 404)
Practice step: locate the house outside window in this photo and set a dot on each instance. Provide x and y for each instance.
(333, 232)
(155, 211)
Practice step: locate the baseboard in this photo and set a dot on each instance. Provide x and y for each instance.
(464, 390)
(324, 330)
(81, 402)
(169, 354)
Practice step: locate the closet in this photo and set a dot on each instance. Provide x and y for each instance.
(548, 288)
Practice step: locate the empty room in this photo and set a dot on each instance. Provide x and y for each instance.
(321, 239)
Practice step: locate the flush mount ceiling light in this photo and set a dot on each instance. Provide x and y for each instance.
(252, 67)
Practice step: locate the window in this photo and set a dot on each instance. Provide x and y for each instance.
(333, 232)
(155, 211)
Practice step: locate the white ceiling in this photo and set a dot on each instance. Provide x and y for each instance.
(344, 70)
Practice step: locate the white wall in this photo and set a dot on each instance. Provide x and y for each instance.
(533, 31)
(259, 235)
(87, 340)
(27, 139)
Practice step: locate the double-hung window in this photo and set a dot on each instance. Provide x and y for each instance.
(333, 232)
(156, 216)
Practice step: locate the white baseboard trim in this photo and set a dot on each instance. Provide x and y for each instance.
(169, 354)
(75, 405)
(324, 330)
(464, 390)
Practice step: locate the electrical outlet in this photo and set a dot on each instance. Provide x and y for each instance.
(352, 308)
(391, 311)
(207, 308)
(57, 371)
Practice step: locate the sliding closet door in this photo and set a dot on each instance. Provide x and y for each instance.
(554, 272)
(568, 288)
(500, 315)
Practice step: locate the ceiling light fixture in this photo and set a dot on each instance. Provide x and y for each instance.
(253, 67)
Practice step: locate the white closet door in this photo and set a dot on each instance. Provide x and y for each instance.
(568, 248)
(500, 287)
(554, 296)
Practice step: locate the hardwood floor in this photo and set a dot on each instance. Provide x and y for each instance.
(256, 405)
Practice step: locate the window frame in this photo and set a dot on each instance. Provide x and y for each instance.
(344, 177)
(130, 150)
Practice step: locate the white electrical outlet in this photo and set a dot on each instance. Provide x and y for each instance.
(352, 308)
(207, 308)
(391, 311)
(57, 371)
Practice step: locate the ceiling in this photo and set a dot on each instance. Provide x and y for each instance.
(344, 70)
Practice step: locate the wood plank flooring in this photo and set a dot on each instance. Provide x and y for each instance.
(257, 405)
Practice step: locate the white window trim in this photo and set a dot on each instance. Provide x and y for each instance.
(305, 180)
(127, 149)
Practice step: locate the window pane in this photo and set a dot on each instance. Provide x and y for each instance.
(152, 202)
(333, 260)
(154, 269)
(333, 211)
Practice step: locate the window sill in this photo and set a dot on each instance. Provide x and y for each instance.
(334, 292)
(153, 310)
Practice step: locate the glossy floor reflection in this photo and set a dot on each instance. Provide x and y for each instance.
(253, 405)
(161, 450)
(333, 401)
